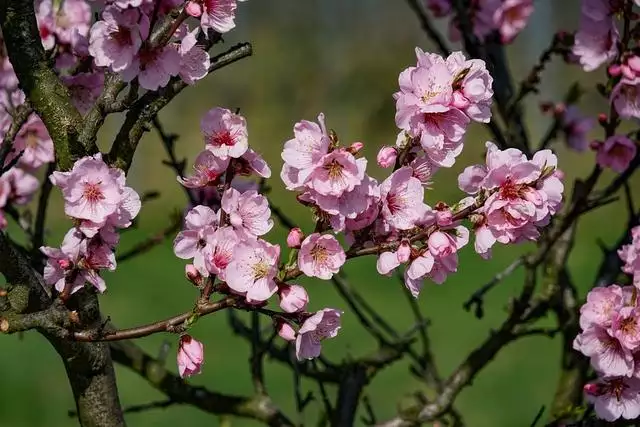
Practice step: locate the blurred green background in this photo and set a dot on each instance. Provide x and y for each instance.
(341, 58)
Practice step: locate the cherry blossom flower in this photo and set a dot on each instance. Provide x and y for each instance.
(193, 241)
(190, 356)
(602, 303)
(630, 255)
(194, 61)
(607, 355)
(390, 260)
(285, 330)
(208, 168)
(225, 133)
(248, 212)
(91, 190)
(625, 326)
(218, 15)
(576, 127)
(293, 298)
(402, 199)
(473, 86)
(615, 397)
(323, 324)
(253, 268)
(511, 18)
(22, 185)
(625, 97)
(337, 173)
(321, 256)
(219, 252)
(153, 67)
(616, 153)
(595, 43)
(33, 144)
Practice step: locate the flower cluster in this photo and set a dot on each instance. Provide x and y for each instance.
(506, 17)
(99, 202)
(610, 337)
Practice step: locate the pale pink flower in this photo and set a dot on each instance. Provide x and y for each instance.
(22, 185)
(194, 60)
(419, 268)
(387, 157)
(337, 173)
(616, 153)
(253, 268)
(630, 255)
(248, 212)
(33, 144)
(625, 326)
(625, 97)
(84, 88)
(441, 244)
(285, 330)
(615, 397)
(423, 169)
(295, 238)
(116, 39)
(91, 191)
(576, 127)
(602, 303)
(402, 199)
(153, 67)
(390, 260)
(208, 168)
(190, 356)
(252, 163)
(471, 179)
(192, 242)
(218, 15)
(607, 355)
(293, 298)
(511, 18)
(349, 204)
(441, 135)
(128, 208)
(225, 133)
(218, 251)
(595, 43)
(323, 324)
(473, 86)
(321, 256)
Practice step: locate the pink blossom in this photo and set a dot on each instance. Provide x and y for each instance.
(349, 204)
(295, 238)
(337, 173)
(390, 260)
(595, 43)
(629, 254)
(218, 251)
(91, 190)
(625, 97)
(441, 135)
(194, 61)
(402, 199)
(84, 88)
(116, 39)
(248, 212)
(423, 169)
(473, 86)
(192, 274)
(225, 133)
(616, 153)
(218, 15)
(602, 303)
(128, 208)
(193, 241)
(252, 163)
(253, 268)
(208, 168)
(576, 127)
(387, 157)
(419, 268)
(607, 355)
(323, 324)
(441, 244)
(511, 18)
(321, 256)
(153, 67)
(285, 330)
(190, 356)
(615, 397)
(33, 144)
(293, 298)
(22, 185)
(625, 326)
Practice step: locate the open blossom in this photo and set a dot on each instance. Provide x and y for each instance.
(116, 39)
(208, 168)
(35, 144)
(323, 324)
(625, 97)
(402, 199)
(22, 185)
(192, 242)
(248, 212)
(336, 173)
(321, 256)
(595, 43)
(293, 298)
(576, 127)
(219, 250)
(615, 397)
(218, 15)
(253, 268)
(91, 190)
(194, 61)
(607, 355)
(225, 133)
(190, 356)
(616, 153)
(304, 152)
(511, 18)
(473, 86)
(625, 326)
(153, 67)
(602, 303)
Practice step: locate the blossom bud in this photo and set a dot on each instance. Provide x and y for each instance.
(293, 298)
(355, 147)
(190, 356)
(387, 157)
(404, 251)
(285, 330)
(295, 238)
(595, 145)
(614, 70)
(193, 275)
(193, 9)
(591, 389)
(444, 217)
(602, 119)
(441, 244)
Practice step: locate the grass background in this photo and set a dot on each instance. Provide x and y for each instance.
(341, 58)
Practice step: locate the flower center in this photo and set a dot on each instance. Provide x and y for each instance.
(123, 36)
(510, 190)
(260, 270)
(319, 254)
(222, 138)
(628, 326)
(334, 169)
(394, 203)
(92, 192)
(31, 140)
(618, 151)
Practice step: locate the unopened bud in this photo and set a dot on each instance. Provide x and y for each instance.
(591, 389)
(404, 251)
(387, 157)
(285, 330)
(595, 145)
(355, 147)
(193, 275)
(602, 119)
(295, 238)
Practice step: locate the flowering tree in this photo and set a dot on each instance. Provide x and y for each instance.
(62, 72)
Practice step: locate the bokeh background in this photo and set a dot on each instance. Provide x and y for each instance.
(341, 58)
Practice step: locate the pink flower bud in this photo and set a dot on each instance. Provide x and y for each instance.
(404, 251)
(190, 356)
(591, 389)
(192, 273)
(293, 298)
(355, 147)
(193, 9)
(64, 264)
(444, 217)
(295, 238)
(387, 157)
(614, 70)
(285, 331)
(441, 244)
